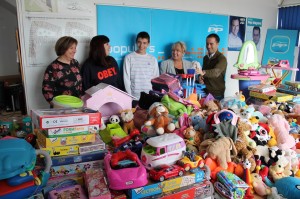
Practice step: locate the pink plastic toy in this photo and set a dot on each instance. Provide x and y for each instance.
(129, 174)
(106, 99)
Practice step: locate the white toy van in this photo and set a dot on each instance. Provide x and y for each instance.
(163, 149)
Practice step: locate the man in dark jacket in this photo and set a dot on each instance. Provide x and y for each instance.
(214, 68)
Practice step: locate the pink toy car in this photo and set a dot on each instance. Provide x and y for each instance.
(127, 173)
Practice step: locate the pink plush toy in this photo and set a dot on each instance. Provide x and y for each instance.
(281, 129)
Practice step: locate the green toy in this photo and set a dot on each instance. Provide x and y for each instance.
(175, 108)
(248, 57)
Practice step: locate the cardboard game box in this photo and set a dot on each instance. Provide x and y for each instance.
(156, 188)
(65, 117)
(276, 96)
(64, 141)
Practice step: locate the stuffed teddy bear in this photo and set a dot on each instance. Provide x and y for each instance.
(281, 129)
(241, 144)
(198, 122)
(159, 119)
(212, 106)
(192, 139)
(127, 116)
(219, 150)
(259, 186)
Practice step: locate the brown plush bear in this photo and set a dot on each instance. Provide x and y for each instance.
(192, 138)
(159, 119)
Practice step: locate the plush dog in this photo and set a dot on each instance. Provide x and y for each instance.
(159, 119)
(219, 150)
(127, 119)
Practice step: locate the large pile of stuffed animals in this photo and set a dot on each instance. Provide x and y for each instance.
(231, 137)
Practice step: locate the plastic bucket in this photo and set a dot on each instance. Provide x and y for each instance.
(67, 101)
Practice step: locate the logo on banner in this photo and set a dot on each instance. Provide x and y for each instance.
(123, 50)
(215, 28)
(280, 44)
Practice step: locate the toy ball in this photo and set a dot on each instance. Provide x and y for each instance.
(114, 119)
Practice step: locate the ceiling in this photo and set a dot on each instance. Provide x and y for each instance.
(286, 3)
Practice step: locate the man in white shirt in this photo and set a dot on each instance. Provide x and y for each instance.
(234, 41)
(140, 67)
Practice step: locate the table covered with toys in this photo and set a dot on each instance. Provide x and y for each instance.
(168, 146)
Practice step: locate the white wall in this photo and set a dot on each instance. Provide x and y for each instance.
(263, 9)
(8, 44)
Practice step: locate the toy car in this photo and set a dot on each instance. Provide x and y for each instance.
(134, 146)
(124, 170)
(163, 172)
(189, 162)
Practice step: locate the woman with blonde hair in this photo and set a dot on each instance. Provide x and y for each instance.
(176, 64)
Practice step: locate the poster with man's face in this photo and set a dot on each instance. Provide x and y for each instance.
(236, 35)
(253, 31)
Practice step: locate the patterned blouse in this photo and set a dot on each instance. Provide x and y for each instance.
(62, 79)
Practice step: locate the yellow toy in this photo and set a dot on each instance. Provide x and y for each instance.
(272, 141)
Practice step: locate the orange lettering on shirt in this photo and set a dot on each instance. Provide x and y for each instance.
(109, 72)
(114, 70)
(105, 74)
(100, 75)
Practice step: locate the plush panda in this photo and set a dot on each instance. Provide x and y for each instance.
(114, 119)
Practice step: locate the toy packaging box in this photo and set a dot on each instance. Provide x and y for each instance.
(60, 150)
(64, 170)
(75, 149)
(98, 145)
(63, 141)
(276, 96)
(75, 191)
(155, 188)
(72, 159)
(198, 190)
(62, 181)
(231, 180)
(262, 88)
(96, 185)
(295, 84)
(71, 131)
(54, 118)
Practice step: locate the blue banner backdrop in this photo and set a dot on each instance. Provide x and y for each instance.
(280, 44)
(121, 24)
